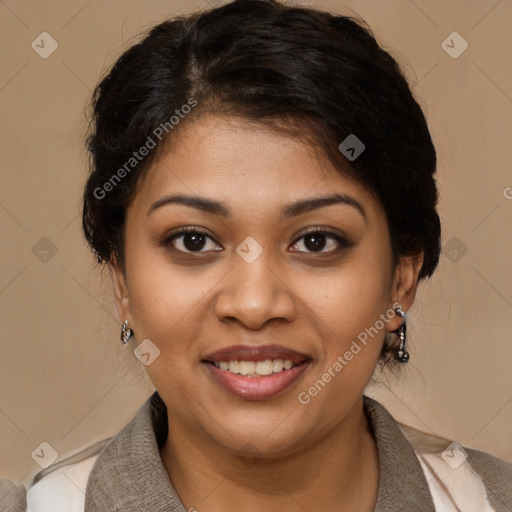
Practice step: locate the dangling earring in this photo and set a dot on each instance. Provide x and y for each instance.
(126, 333)
(401, 354)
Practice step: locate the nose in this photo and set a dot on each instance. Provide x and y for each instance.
(255, 293)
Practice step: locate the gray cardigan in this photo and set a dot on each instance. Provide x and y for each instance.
(128, 474)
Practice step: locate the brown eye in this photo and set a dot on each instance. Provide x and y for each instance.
(317, 239)
(190, 240)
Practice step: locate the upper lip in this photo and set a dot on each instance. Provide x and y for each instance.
(256, 353)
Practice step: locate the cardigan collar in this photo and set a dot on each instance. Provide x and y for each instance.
(129, 474)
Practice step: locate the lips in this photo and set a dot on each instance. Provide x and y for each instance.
(289, 365)
(256, 353)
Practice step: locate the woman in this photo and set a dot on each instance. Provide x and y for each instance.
(263, 193)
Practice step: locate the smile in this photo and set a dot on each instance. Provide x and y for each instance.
(256, 369)
(256, 372)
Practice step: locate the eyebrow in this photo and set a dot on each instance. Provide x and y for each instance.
(291, 210)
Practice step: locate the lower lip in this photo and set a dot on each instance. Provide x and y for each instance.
(256, 388)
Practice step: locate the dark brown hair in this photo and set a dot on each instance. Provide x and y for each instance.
(313, 74)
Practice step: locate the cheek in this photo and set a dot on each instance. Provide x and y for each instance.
(351, 299)
(165, 303)
(350, 309)
(164, 297)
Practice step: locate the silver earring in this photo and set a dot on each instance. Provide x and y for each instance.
(401, 355)
(126, 333)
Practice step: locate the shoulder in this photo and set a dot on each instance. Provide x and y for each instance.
(12, 497)
(61, 487)
(462, 476)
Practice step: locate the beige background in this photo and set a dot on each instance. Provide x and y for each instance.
(64, 378)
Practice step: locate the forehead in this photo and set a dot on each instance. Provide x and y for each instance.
(246, 165)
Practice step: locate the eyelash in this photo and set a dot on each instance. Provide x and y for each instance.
(343, 242)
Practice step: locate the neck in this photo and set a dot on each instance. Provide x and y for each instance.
(339, 471)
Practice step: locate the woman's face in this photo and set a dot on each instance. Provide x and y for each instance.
(256, 286)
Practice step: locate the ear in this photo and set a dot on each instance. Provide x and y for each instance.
(121, 296)
(405, 284)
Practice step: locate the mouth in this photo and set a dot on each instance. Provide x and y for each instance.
(256, 369)
(256, 372)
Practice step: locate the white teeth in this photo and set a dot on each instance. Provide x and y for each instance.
(247, 367)
(264, 367)
(277, 365)
(287, 364)
(234, 366)
(256, 369)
